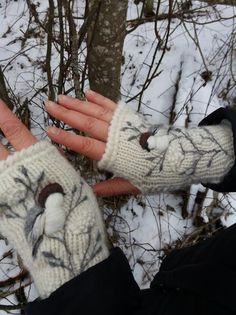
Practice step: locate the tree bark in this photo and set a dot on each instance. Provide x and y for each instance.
(3, 91)
(148, 8)
(105, 41)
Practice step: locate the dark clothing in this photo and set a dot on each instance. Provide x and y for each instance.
(200, 279)
(229, 182)
(196, 280)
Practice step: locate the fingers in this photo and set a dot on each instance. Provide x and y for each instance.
(100, 100)
(94, 127)
(14, 130)
(92, 148)
(3, 152)
(87, 108)
(113, 187)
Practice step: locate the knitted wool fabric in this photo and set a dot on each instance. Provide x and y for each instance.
(157, 158)
(50, 216)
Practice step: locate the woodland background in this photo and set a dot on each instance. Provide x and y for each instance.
(172, 60)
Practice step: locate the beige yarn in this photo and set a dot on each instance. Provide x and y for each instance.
(61, 239)
(178, 157)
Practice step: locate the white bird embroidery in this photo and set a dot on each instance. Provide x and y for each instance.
(46, 217)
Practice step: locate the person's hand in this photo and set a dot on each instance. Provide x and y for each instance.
(92, 117)
(14, 130)
(48, 213)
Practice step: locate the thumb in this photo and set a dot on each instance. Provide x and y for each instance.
(114, 187)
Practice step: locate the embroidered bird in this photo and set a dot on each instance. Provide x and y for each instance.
(46, 217)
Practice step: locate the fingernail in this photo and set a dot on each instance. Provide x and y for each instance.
(50, 104)
(91, 92)
(54, 131)
(61, 96)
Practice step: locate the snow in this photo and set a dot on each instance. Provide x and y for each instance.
(145, 228)
(195, 98)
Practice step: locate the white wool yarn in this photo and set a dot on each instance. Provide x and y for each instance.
(172, 158)
(160, 142)
(50, 215)
(54, 214)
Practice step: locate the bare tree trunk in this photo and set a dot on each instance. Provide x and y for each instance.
(3, 91)
(105, 44)
(148, 8)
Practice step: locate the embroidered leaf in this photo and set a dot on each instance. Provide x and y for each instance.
(9, 216)
(178, 130)
(19, 180)
(12, 214)
(149, 173)
(83, 199)
(95, 252)
(74, 189)
(30, 220)
(24, 171)
(41, 177)
(36, 246)
(143, 126)
(151, 158)
(4, 206)
(48, 255)
(8, 212)
(132, 138)
(99, 237)
(209, 163)
(52, 260)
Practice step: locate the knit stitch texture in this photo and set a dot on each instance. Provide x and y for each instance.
(174, 158)
(50, 215)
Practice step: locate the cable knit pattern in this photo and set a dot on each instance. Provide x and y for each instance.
(50, 216)
(172, 158)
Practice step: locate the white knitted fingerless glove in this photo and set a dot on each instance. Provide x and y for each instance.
(157, 158)
(50, 215)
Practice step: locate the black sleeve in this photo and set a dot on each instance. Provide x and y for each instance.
(228, 183)
(107, 288)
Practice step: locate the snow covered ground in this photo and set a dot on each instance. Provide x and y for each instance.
(196, 76)
(197, 45)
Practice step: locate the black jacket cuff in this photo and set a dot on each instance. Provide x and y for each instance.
(107, 286)
(228, 184)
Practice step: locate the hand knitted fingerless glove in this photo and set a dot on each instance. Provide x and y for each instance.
(157, 158)
(50, 216)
